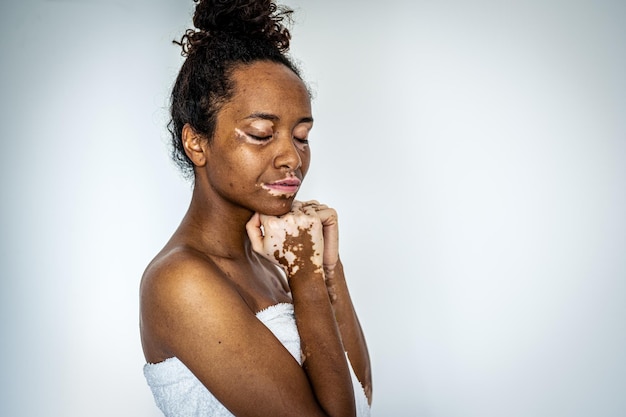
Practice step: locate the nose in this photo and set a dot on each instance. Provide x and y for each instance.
(287, 155)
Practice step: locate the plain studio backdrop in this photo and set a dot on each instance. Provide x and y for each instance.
(475, 151)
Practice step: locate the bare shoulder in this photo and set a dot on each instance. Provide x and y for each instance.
(191, 310)
(180, 271)
(180, 287)
(176, 266)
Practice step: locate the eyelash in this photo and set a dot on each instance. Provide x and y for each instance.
(302, 141)
(260, 138)
(266, 138)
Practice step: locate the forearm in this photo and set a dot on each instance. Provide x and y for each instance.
(349, 327)
(296, 242)
(324, 360)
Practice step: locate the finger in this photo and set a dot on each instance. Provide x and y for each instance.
(255, 234)
(310, 211)
(310, 203)
(330, 231)
(316, 205)
(327, 215)
(296, 205)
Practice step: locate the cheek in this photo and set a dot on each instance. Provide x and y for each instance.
(230, 169)
(305, 157)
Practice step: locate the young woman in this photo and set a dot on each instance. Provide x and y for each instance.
(246, 311)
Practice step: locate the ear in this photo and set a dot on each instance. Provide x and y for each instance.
(194, 145)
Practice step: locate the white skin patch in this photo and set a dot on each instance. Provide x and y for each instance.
(275, 193)
(278, 231)
(247, 138)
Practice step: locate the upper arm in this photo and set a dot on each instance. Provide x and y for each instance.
(193, 312)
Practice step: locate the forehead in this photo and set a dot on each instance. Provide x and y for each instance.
(270, 87)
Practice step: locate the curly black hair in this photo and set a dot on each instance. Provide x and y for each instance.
(228, 34)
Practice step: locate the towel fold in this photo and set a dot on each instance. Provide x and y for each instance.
(178, 393)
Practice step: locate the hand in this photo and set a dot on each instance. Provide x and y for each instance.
(294, 240)
(330, 224)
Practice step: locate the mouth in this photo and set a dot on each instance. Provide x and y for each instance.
(286, 186)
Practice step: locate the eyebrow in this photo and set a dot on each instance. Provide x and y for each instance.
(273, 117)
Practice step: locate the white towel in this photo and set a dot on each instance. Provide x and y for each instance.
(178, 393)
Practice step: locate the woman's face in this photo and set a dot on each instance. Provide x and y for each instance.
(260, 153)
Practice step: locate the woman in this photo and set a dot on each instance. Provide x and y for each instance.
(224, 330)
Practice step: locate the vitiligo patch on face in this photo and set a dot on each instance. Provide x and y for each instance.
(285, 187)
(241, 135)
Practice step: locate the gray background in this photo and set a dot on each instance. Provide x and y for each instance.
(475, 150)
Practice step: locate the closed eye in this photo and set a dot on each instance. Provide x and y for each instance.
(302, 140)
(260, 138)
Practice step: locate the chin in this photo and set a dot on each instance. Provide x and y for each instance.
(278, 209)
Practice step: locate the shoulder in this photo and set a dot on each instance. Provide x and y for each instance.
(180, 288)
(177, 271)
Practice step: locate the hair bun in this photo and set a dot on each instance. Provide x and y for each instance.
(260, 19)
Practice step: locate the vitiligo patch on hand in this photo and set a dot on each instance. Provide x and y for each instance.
(295, 241)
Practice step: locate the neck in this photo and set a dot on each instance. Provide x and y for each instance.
(215, 226)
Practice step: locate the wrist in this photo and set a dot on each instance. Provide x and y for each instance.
(331, 270)
(302, 271)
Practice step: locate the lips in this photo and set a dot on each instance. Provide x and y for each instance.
(289, 185)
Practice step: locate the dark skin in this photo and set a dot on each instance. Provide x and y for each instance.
(200, 294)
